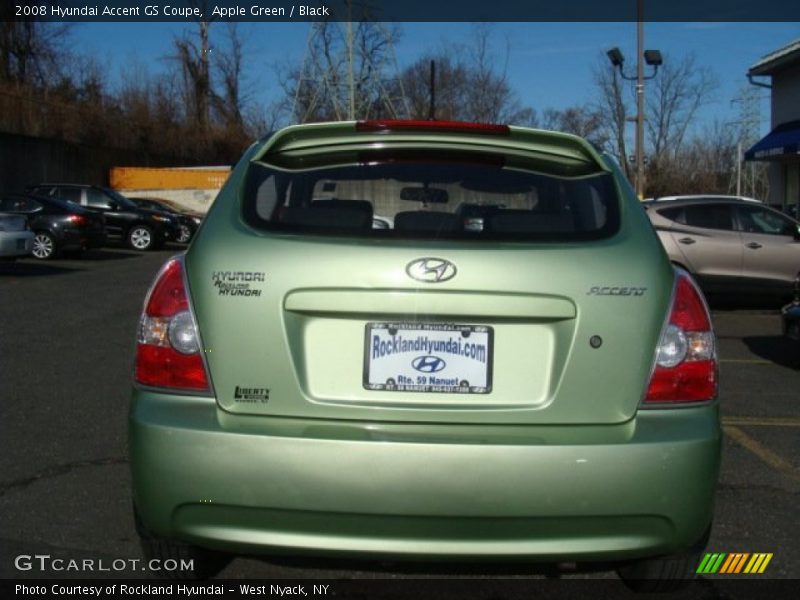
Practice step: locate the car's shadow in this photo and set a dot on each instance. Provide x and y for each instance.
(105, 253)
(776, 349)
(121, 251)
(727, 302)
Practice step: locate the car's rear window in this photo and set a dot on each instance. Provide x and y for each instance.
(427, 199)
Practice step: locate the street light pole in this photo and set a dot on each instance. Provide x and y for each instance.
(652, 58)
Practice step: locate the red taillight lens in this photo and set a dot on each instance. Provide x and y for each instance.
(686, 358)
(441, 126)
(78, 219)
(167, 297)
(168, 352)
(167, 368)
(688, 309)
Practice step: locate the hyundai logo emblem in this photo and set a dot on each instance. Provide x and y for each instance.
(431, 270)
(428, 364)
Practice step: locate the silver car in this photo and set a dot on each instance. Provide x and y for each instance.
(729, 244)
(16, 238)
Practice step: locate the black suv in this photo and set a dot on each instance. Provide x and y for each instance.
(140, 228)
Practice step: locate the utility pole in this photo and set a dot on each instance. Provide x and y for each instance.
(739, 168)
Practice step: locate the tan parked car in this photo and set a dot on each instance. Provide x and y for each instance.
(729, 244)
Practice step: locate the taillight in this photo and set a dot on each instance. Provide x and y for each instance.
(168, 351)
(77, 219)
(686, 358)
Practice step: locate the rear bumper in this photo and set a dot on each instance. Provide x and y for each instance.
(289, 486)
(16, 243)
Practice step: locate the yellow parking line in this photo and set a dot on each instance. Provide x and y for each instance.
(764, 421)
(765, 454)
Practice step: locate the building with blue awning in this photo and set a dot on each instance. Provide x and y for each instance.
(782, 141)
(781, 146)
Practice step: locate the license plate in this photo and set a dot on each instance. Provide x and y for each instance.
(428, 357)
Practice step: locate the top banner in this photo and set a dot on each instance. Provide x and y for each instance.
(401, 10)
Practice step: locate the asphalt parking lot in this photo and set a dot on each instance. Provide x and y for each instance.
(66, 351)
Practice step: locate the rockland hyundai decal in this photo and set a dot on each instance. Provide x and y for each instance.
(428, 357)
(238, 283)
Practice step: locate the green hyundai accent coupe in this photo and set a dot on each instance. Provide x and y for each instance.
(426, 340)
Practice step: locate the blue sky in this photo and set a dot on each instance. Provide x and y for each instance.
(549, 64)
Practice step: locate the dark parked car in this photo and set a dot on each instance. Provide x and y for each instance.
(58, 225)
(729, 244)
(188, 221)
(139, 228)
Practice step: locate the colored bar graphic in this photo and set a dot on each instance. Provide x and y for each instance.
(737, 568)
(711, 563)
(734, 563)
(703, 566)
(727, 563)
(758, 563)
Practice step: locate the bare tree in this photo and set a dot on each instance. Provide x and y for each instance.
(192, 56)
(578, 120)
(471, 84)
(673, 98)
(31, 52)
(212, 74)
(705, 163)
(613, 106)
(151, 105)
(489, 92)
(230, 102)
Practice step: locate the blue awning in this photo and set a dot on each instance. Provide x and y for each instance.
(781, 141)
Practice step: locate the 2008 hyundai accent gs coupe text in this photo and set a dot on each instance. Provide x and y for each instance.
(528, 379)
